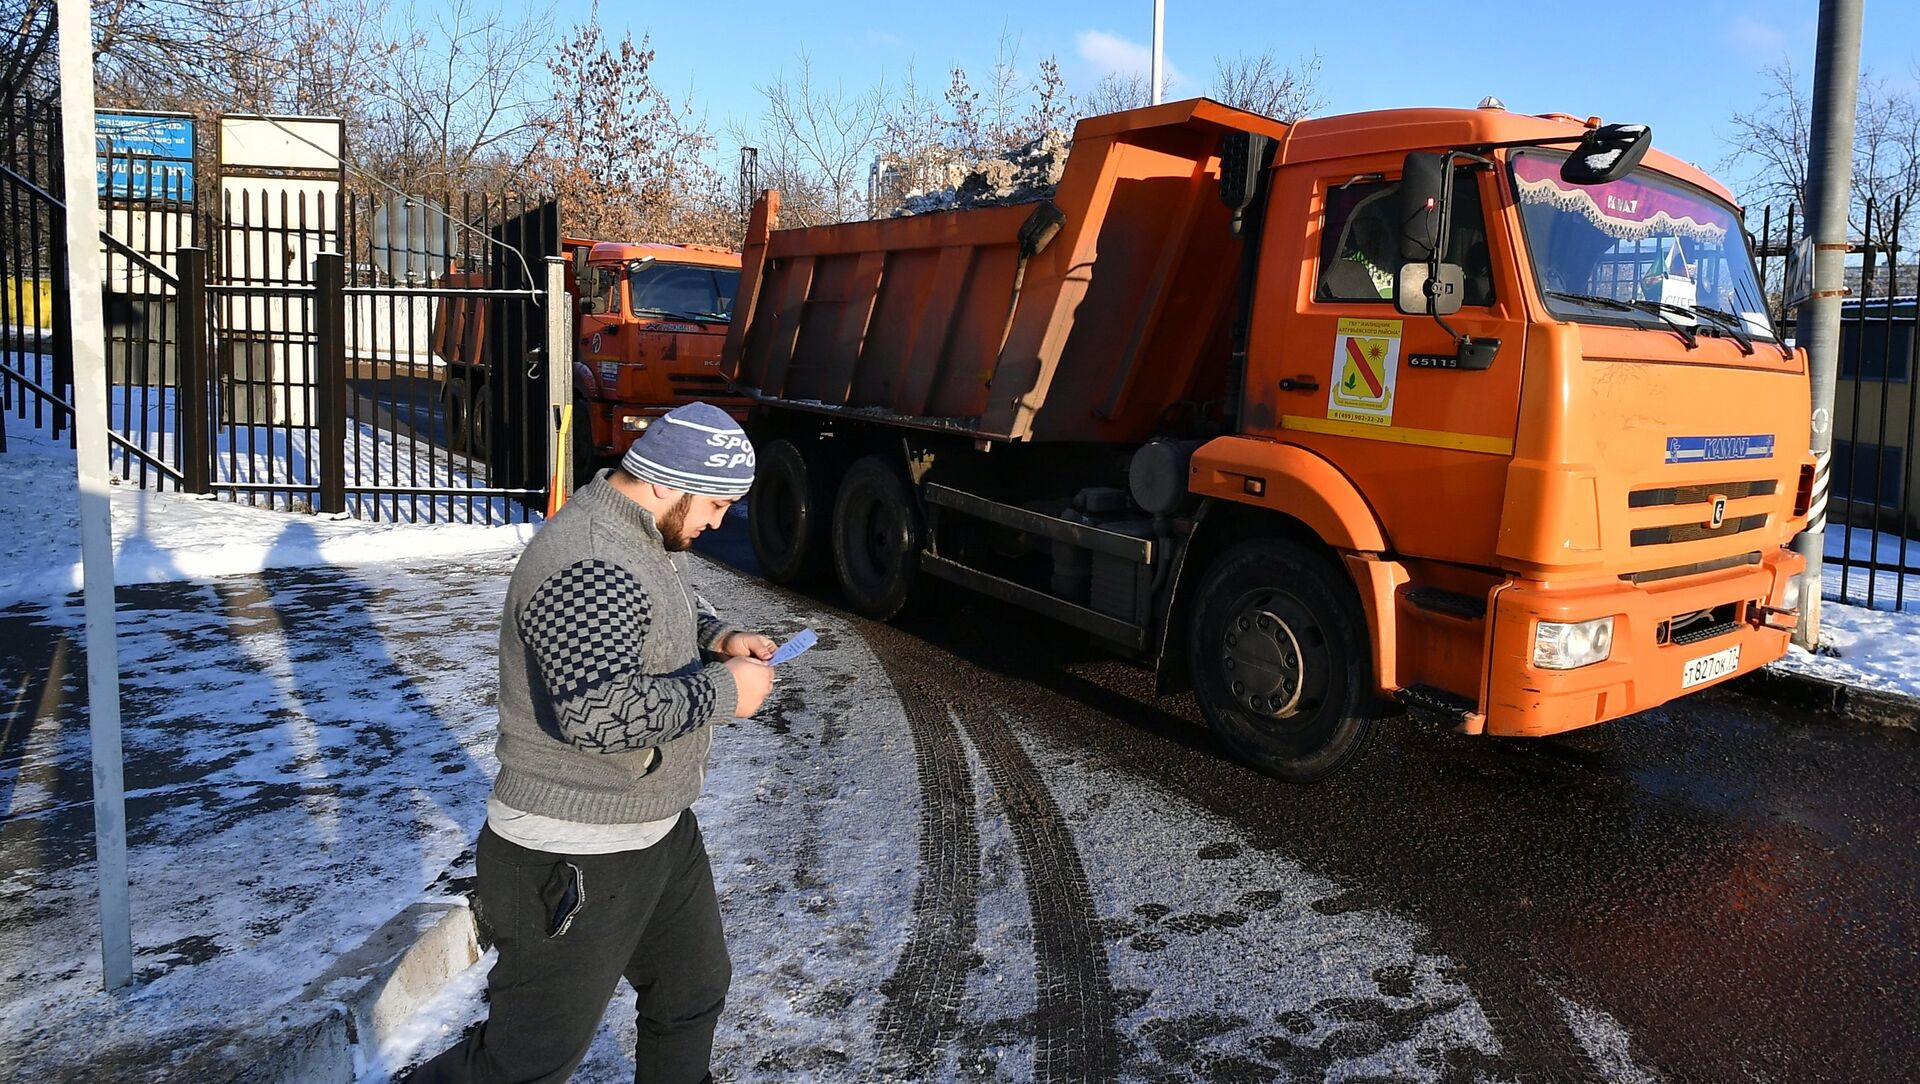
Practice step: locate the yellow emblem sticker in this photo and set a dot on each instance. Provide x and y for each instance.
(1366, 369)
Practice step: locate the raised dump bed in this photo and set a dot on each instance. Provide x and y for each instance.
(1084, 318)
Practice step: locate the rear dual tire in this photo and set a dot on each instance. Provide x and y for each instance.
(877, 536)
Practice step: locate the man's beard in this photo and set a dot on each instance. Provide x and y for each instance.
(673, 525)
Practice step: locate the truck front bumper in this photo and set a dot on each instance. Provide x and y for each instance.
(1645, 667)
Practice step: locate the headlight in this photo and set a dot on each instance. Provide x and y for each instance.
(634, 423)
(1571, 645)
(1790, 593)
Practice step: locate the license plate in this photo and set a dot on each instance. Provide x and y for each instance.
(1707, 667)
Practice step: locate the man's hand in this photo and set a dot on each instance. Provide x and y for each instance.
(748, 645)
(753, 679)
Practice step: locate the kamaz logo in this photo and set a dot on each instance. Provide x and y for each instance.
(1719, 517)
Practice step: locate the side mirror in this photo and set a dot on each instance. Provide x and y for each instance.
(1423, 179)
(1607, 153)
(1419, 293)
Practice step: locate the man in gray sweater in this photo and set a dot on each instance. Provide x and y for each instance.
(591, 866)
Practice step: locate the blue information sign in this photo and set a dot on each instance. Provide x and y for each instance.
(1715, 449)
(151, 156)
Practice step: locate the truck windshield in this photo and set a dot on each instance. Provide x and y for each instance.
(1646, 250)
(688, 291)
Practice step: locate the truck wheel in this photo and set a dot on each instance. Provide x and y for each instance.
(876, 537)
(479, 441)
(456, 402)
(788, 514)
(1280, 662)
(580, 449)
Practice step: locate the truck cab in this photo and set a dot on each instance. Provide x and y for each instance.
(652, 320)
(1587, 468)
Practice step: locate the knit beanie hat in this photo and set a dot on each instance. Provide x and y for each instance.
(696, 448)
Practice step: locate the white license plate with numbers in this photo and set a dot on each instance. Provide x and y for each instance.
(1707, 667)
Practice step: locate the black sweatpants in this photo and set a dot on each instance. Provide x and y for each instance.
(568, 927)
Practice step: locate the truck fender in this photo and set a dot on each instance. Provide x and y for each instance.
(586, 383)
(1234, 477)
(1289, 479)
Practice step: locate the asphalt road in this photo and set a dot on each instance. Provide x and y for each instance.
(1735, 883)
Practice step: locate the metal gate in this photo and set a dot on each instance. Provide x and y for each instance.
(272, 349)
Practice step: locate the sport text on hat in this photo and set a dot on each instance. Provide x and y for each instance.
(696, 448)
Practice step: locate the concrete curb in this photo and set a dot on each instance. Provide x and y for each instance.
(1833, 699)
(329, 1031)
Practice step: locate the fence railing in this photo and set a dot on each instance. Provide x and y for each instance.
(1873, 523)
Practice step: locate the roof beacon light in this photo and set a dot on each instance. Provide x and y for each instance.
(1491, 102)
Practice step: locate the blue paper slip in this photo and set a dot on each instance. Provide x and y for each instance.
(791, 650)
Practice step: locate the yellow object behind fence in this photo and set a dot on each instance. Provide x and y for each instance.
(29, 303)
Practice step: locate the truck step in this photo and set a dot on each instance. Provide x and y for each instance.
(1451, 603)
(1455, 709)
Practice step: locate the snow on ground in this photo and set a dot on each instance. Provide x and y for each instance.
(166, 536)
(305, 753)
(1885, 574)
(309, 750)
(1874, 649)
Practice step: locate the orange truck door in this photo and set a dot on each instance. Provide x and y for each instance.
(1343, 373)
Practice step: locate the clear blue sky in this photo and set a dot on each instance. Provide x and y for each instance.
(1680, 65)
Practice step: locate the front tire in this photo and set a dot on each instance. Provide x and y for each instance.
(877, 535)
(789, 514)
(1280, 662)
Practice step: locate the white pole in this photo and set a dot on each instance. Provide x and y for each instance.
(1159, 30)
(85, 279)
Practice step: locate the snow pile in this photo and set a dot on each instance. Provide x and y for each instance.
(1024, 174)
(1873, 649)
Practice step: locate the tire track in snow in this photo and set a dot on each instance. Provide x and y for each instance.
(1074, 1034)
(924, 993)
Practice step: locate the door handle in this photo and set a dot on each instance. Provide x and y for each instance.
(1299, 384)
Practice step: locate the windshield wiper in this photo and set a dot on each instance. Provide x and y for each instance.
(1688, 333)
(656, 310)
(1615, 304)
(1735, 326)
(1595, 300)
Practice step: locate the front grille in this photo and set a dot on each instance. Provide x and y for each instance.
(1668, 495)
(1694, 532)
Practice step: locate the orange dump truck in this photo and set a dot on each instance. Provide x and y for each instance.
(651, 321)
(1475, 411)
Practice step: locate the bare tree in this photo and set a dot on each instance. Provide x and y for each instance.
(1117, 91)
(182, 54)
(1261, 83)
(625, 159)
(459, 88)
(26, 50)
(818, 141)
(1772, 145)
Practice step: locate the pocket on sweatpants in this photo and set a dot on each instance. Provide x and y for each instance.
(562, 897)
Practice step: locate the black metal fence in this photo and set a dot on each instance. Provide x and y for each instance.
(33, 312)
(1873, 511)
(281, 345)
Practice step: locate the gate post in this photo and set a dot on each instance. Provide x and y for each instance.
(330, 376)
(193, 393)
(559, 359)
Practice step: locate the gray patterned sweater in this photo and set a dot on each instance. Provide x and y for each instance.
(605, 705)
